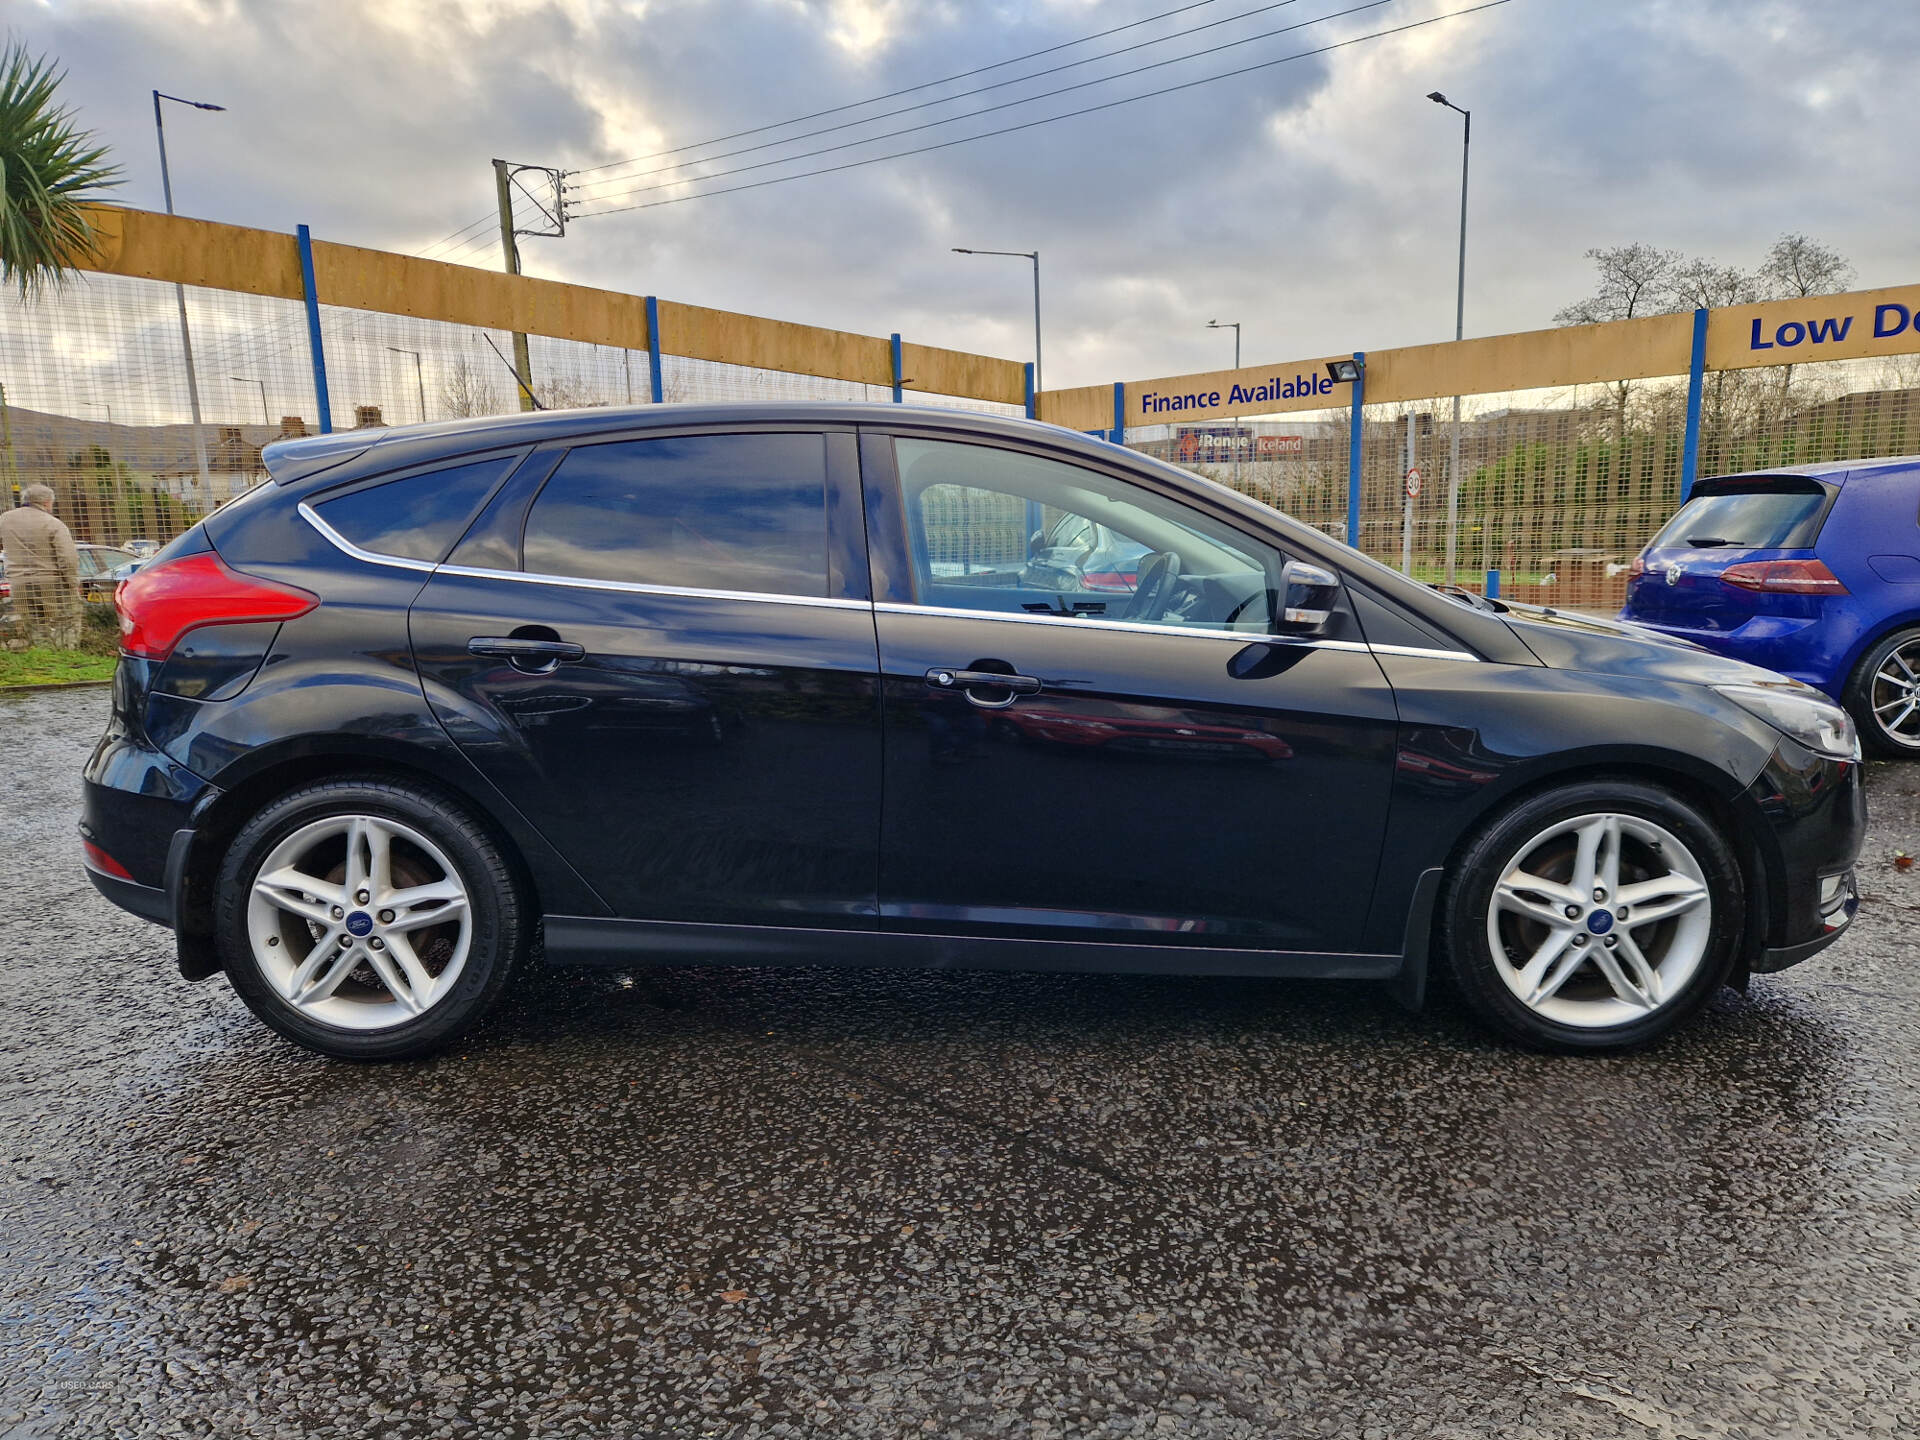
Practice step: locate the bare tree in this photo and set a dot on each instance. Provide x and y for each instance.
(1706, 284)
(1798, 266)
(468, 391)
(1634, 280)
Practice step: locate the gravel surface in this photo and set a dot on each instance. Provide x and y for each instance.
(758, 1203)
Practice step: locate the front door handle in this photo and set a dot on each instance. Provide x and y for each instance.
(533, 656)
(967, 681)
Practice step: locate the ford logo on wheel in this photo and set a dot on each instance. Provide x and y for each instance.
(1673, 574)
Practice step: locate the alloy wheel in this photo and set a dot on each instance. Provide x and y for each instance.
(359, 921)
(1894, 694)
(1600, 920)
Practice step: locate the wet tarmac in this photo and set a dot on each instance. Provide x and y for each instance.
(758, 1203)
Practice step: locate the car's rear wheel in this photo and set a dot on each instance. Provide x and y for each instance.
(1884, 695)
(1594, 917)
(368, 919)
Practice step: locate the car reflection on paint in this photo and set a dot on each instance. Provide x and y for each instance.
(1112, 727)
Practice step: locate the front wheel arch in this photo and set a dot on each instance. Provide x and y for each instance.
(1734, 936)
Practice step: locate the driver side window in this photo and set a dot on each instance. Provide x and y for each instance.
(1000, 530)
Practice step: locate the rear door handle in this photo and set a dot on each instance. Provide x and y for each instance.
(940, 678)
(530, 655)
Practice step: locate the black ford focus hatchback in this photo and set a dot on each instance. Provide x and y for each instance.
(878, 685)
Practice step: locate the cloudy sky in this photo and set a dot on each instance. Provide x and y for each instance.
(1313, 200)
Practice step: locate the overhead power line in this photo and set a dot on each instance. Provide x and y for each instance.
(1002, 105)
(948, 99)
(1051, 119)
(895, 94)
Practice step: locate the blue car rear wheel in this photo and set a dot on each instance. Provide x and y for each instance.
(1884, 695)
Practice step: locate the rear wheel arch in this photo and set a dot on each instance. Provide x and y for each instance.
(227, 813)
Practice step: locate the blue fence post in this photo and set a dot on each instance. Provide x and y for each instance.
(658, 388)
(1696, 386)
(314, 344)
(1353, 450)
(1033, 400)
(898, 396)
(1119, 436)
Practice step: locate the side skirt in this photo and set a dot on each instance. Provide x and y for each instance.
(586, 940)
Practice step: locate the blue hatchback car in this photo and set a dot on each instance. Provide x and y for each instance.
(1813, 571)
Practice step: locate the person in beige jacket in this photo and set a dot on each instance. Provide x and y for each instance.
(43, 567)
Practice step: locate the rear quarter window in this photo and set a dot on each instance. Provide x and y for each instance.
(417, 517)
(1783, 514)
(742, 512)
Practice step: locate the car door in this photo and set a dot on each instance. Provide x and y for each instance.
(1160, 764)
(661, 649)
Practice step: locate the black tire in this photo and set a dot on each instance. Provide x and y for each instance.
(1465, 943)
(496, 940)
(1858, 697)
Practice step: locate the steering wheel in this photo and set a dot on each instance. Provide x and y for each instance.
(1155, 585)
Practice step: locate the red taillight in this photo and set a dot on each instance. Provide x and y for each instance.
(1784, 577)
(161, 603)
(98, 859)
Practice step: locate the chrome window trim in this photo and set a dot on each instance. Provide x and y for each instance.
(634, 587)
(341, 543)
(1239, 637)
(579, 582)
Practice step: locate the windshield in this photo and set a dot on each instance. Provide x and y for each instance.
(1770, 519)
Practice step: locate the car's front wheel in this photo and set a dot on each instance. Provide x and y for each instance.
(1593, 917)
(368, 919)
(1884, 695)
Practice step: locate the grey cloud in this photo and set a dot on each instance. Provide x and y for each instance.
(1707, 127)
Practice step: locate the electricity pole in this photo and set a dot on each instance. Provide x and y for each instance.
(1459, 333)
(506, 179)
(180, 296)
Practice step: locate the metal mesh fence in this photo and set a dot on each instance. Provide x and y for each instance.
(94, 396)
(1559, 489)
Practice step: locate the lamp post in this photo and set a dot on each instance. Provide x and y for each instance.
(100, 405)
(1459, 333)
(1233, 325)
(419, 384)
(180, 293)
(1034, 256)
(265, 418)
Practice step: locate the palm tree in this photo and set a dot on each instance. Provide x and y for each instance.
(50, 170)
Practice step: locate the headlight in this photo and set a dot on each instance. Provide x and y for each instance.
(1801, 714)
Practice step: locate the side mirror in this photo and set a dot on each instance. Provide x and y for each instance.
(1307, 593)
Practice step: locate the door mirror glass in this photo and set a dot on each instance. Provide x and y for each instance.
(1308, 595)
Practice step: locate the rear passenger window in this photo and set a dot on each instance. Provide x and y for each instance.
(418, 517)
(701, 512)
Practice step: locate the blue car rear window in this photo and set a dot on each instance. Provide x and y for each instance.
(1747, 520)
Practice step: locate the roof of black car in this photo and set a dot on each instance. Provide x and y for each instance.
(288, 460)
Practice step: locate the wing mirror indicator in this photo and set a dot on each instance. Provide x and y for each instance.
(1307, 594)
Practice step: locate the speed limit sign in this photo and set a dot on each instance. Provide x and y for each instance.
(1413, 481)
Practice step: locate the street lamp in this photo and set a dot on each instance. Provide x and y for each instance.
(418, 384)
(265, 418)
(180, 291)
(100, 405)
(1233, 325)
(1459, 333)
(1034, 256)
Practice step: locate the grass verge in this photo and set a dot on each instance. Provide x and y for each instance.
(52, 667)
